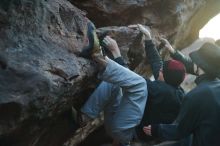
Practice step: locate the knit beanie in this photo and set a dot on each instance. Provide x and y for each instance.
(174, 72)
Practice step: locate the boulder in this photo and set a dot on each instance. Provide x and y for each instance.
(41, 75)
(179, 20)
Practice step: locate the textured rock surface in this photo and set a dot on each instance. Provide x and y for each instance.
(179, 20)
(41, 76)
(129, 41)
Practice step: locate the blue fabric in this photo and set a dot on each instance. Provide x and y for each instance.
(122, 96)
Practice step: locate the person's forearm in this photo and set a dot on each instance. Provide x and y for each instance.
(116, 53)
(120, 61)
(177, 55)
(153, 57)
(165, 131)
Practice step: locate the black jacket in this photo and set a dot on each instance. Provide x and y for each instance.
(199, 114)
(163, 101)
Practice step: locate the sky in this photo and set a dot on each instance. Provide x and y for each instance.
(211, 29)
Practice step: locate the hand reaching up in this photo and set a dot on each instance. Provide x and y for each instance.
(167, 45)
(112, 45)
(143, 29)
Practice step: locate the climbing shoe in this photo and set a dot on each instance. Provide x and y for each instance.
(93, 47)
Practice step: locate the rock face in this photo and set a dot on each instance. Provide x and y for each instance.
(41, 75)
(178, 20)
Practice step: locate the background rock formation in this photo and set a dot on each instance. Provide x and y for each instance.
(179, 20)
(41, 76)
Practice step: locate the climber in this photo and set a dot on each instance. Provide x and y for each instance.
(165, 94)
(109, 97)
(122, 95)
(200, 111)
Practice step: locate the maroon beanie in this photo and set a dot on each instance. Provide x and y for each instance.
(174, 72)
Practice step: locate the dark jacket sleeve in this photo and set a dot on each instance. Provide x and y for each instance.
(185, 123)
(185, 60)
(165, 131)
(153, 57)
(120, 61)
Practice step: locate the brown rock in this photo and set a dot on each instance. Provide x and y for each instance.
(178, 20)
(41, 76)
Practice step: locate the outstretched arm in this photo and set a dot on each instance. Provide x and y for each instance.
(151, 52)
(177, 55)
(162, 131)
